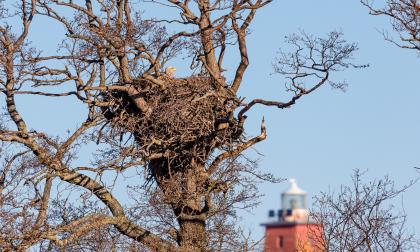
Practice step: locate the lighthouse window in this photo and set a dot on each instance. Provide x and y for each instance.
(280, 242)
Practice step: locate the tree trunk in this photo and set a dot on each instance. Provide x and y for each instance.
(186, 201)
(192, 235)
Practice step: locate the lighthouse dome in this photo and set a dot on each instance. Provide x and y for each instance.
(294, 188)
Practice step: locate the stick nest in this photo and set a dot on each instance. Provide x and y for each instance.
(188, 117)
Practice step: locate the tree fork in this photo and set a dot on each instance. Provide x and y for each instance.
(190, 214)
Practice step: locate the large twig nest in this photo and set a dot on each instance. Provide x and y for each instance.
(187, 115)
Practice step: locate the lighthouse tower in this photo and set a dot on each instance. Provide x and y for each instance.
(290, 228)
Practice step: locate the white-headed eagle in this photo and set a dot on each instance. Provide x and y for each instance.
(170, 71)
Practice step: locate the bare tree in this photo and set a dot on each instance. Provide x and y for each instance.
(362, 217)
(182, 138)
(405, 19)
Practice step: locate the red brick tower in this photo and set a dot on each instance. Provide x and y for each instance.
(291, 229)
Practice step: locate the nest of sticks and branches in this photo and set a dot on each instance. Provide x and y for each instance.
(188, 119)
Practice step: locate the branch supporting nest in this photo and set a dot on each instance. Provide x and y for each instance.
(238, 149)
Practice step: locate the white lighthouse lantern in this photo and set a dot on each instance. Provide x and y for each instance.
(294, 204)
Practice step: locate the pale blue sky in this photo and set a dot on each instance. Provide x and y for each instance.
(375, 125)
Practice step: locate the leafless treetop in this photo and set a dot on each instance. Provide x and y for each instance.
(182, 137)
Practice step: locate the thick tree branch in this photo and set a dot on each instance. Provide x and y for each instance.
(237, 150)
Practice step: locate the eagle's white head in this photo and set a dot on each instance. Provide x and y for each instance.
(170, 71)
